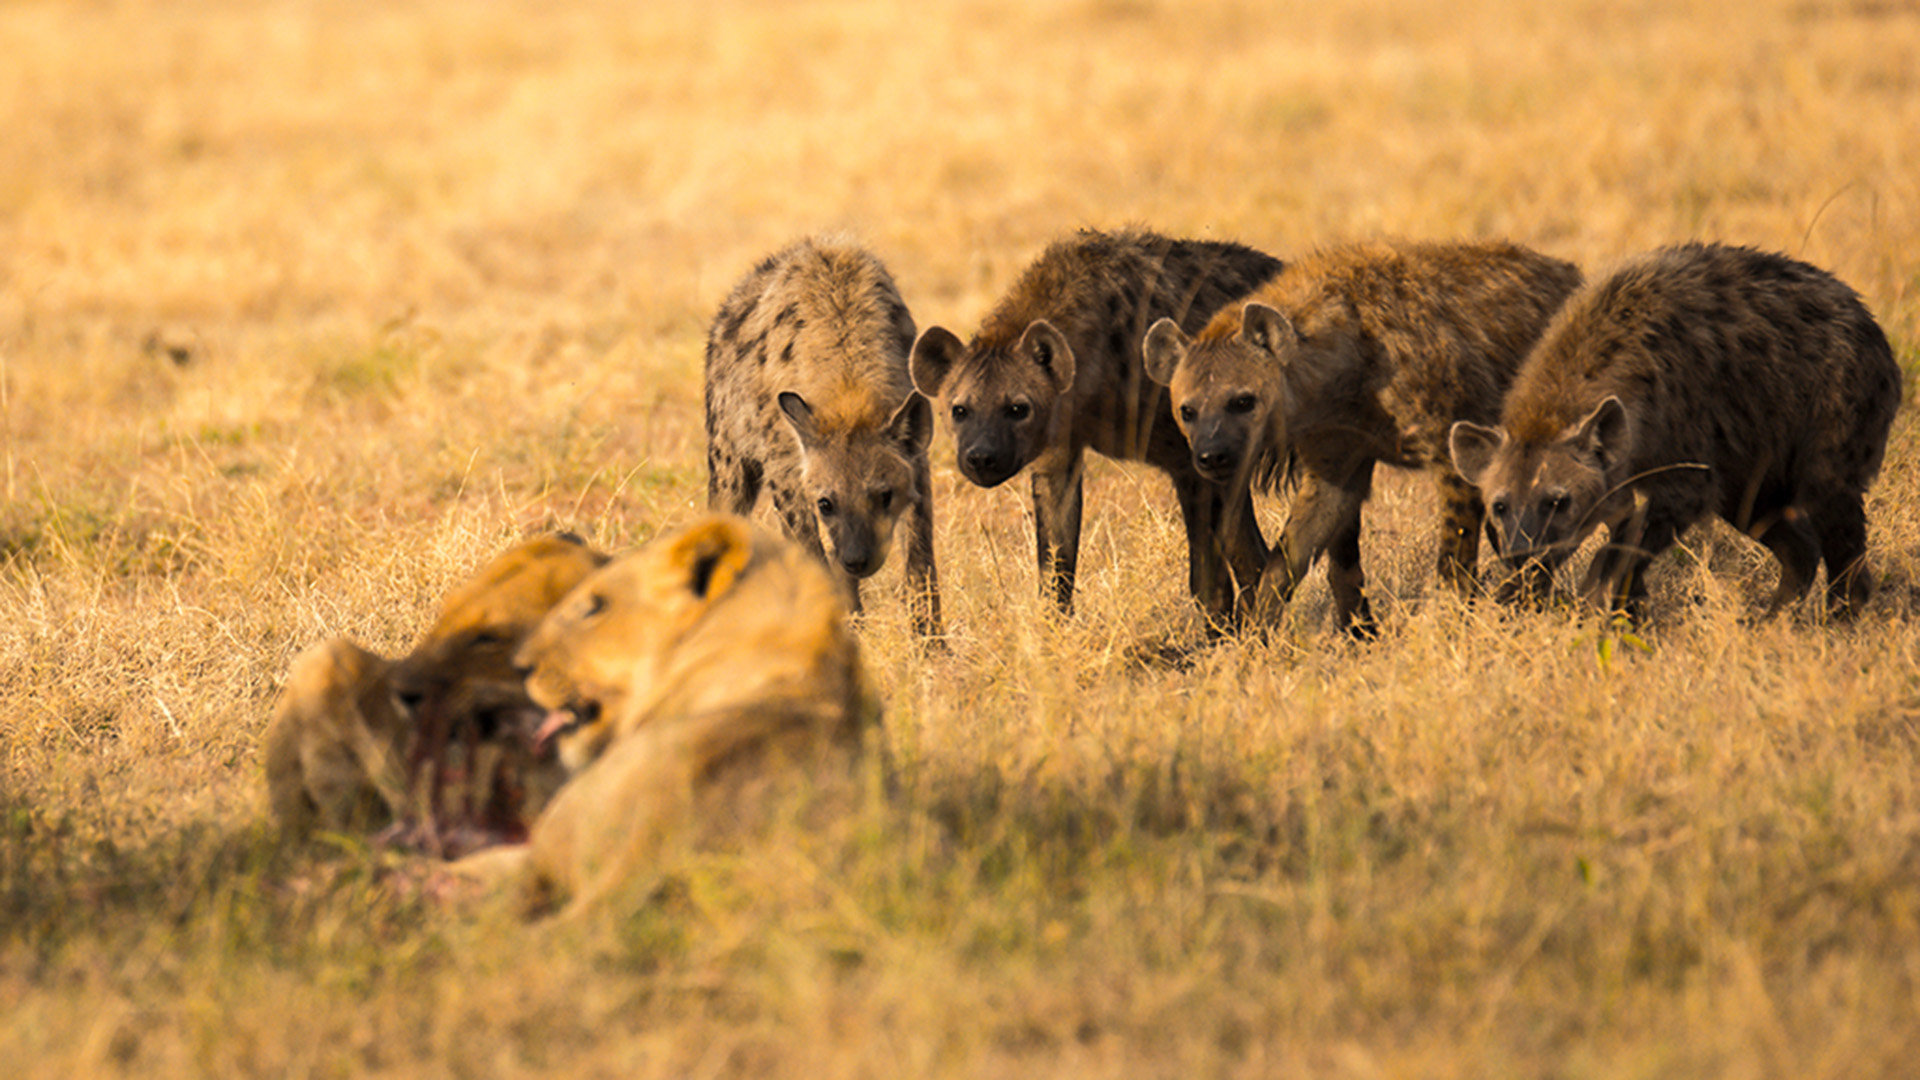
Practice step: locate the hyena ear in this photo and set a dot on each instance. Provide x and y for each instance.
(1605, 432)
(1473, 447)
(933, 358)
(711, 554)
(799, 416)
(1050, 350)
(1266, 328)
(1165, 346)
(911, 428)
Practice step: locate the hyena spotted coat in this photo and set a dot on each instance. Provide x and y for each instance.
(1693, 380)
(808, 396)
(1358, 354)
(1055, 370)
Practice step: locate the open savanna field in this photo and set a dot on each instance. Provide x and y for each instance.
(309, 308)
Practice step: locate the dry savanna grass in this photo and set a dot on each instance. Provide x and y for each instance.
(308, 308)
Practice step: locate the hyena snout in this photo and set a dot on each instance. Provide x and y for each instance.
(858, 561)
(1219, 463)
(989, 462)
(1533, 549)
(857, 550)
(1527, 563)
(1527, 543)
(1217, 453)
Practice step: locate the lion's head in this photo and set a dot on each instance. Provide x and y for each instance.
(459, 684)
(708, 616)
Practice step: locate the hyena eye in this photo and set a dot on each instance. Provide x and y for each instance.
(826, 507)
(1499, 507)
(961, 412)
(1241, 403)
(1187, 413)
(883, 498)
(1558, 504)
(1019, 410)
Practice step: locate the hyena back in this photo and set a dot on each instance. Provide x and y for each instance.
(1705, 379)
(1355, 355)
(1055, 370)
(808, 396)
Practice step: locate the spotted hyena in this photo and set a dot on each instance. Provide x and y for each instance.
(1055, 370)
(808, 396)
(1357, 354)
(1693, 380)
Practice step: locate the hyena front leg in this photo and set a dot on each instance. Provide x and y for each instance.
(1616, 579)
(1202, 510)
(1321, 513)
(923, 581)
(1793, 541)
(798, 522)
(1344, 576)
(1348, 581)
(1842, 524)
(1462, 515)
(1617, 576)
(1056, 528)
(1242, 545)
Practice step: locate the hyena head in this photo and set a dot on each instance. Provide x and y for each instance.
(1544, 496)
(1002, 400)
(1230, 385)
(860, 478)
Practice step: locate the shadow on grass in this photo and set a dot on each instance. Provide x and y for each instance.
(65, 879)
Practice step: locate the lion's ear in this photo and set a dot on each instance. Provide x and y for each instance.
(711, 555)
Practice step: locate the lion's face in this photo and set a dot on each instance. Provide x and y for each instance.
(472, 722)
(462, 673)
(600, 647)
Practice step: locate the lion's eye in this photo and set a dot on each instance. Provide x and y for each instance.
(883, 498)
(961, 412)
(1019, 410)
(826, 507)
(1242, 403)
(1188, 413)
(490, 638)
(596, 603)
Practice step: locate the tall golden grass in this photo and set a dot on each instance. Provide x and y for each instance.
(306, 308)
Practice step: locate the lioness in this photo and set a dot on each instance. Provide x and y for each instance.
(460, 685)
(678, 678)
(353, 730)
(334, 745)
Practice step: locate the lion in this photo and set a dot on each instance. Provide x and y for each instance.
(354, 731)
(333, 748)
(461, 687)
(682, 681)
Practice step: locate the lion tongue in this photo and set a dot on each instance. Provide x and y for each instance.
(557, 721)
